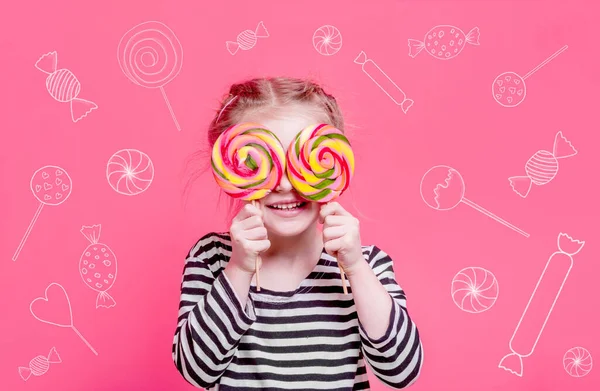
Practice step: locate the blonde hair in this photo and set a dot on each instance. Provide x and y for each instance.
(262, 95)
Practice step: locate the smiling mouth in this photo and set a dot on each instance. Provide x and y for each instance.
(288, 206)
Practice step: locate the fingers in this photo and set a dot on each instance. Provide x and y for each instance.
(333, 246)
(330, 233)
(332, 208)
(257, 233)
(248, 210)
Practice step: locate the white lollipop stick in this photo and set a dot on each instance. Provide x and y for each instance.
(546, 61)
(84, 340)
(28, 231)
(493, 216)
(164, 94)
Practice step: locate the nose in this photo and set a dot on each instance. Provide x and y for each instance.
(284, 184)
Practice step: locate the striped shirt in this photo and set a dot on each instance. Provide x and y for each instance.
(307, 339)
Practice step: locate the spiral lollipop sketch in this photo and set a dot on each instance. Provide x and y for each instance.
(151, 56)
(129, 172)
(320, 165)
(248, 162)
(327, 40)
(50, 185)
(443, 188)
(55, 308)
(509, 89)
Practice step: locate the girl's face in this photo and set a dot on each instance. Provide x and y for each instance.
(285, 213)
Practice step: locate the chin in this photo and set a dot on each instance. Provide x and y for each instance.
(291, 222)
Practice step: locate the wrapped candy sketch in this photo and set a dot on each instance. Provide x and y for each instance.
(443, 42)
(541, 303)
(98, 266)
(246, 40)
(63, 86)
(39, 365)
(542, 167)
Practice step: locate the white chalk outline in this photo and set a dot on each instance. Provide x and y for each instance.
(420, 45)
(323, 40)
(560, 251)
(83, 106)
(403, 101)
(520, 80)
(472, 285)
(94, 240)
(58, 171)
(260, 32)
(129, 172)
(453, 172)
(573, 364)
(72, 326)
(516, 181)
(52, 358)
(127, 67)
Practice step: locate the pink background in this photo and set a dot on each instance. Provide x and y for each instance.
(454, 121)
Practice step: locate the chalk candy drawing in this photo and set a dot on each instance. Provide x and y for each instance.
(98, 266)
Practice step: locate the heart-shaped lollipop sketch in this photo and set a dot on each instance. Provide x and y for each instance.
(55, 308)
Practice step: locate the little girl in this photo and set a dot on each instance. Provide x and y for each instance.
(299, 331)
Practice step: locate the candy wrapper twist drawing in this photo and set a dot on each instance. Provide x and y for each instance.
(541, 303)
(39, 365)
(542, 167)
(63, 86)
(98, 266)
(246, 40)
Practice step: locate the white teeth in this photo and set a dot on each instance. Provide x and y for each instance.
(287, 206)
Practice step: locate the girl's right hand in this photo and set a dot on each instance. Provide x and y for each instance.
(248, 238)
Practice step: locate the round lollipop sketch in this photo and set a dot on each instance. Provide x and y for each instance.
(508, 88)
(443, 188)
(130, 172)
(98, 266)
(50, 185)
(577, 361)
(327, 40)
(151, 56)
(474, 289)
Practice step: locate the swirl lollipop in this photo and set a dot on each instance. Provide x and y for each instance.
(320, 165)
(327, 40)
(151, 56)
(51, 185)
(508, 88)
(248, 162)
(443, 188)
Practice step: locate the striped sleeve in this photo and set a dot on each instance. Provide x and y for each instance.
(397, 357)
(211, 318)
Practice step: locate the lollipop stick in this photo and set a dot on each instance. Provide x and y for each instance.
(546, 61)
(498, 219)
(343, 278)
(164, 94)
(84, 340)
(31, 224)
(256, 267)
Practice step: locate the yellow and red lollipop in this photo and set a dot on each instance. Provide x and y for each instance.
(248, 161)
(320, 165)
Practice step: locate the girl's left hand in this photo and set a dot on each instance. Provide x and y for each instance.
(341, 235)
